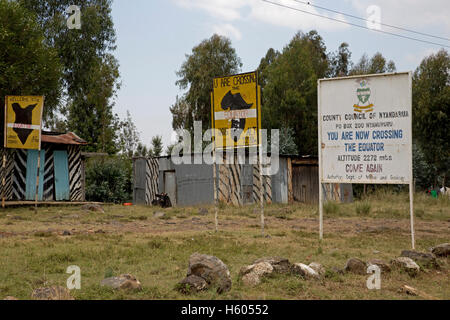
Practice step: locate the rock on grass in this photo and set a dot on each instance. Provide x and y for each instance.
(442, 250)
(192, 283)
(424, 259)
(280, 265)
(406, 264)
(52, 293)
(252, 275)
(305, 271)
(384, 267)
(122, 282)
(356, 266)
(211, 269)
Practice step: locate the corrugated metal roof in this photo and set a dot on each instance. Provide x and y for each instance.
(66, 138)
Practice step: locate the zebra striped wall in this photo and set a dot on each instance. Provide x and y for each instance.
(151, 181)
(230, 184)
(75, 174)
(267, 186)
(16, 172)
(49, 176)
(20, 175)
(7, 173)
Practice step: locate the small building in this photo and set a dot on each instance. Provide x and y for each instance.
(61, 173)
(297, 180)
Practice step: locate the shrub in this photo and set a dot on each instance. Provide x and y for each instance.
(109, 180)
(363, 208)
(331, 207)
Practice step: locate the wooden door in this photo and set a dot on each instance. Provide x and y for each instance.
(32, 164)
(62, 187)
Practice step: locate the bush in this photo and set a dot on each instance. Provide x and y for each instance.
(331, 207)
(363, 208)
(109, 180)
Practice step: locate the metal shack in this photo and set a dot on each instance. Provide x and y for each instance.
(297, 180)
(61, 174)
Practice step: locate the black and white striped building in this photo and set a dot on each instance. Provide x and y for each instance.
(61, 174)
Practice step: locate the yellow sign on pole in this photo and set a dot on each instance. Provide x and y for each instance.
(236, 110)
(23, 122)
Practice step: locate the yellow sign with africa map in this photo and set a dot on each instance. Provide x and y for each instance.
(23, 122)
(236, 110)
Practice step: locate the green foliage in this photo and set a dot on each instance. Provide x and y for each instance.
(129, 136)
(212, 58)
(90, 71)
(109, 180)
(331, 207)
(28, 66)
(340, 62)
(363, 208)
(290, 95)
(377, 64)
(423, 172)
(431, 106)
(286, 144)
(157, 146)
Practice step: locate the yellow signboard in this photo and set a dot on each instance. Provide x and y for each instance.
(23, 122)
(236, 110)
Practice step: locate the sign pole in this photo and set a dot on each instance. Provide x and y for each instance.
(3, 178)
(411, 180)
(216, 209)
(261, 191)
(411, 208)
(320, 166)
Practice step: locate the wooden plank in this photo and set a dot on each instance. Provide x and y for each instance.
(32, 164)
(48, 203)
(289, 178)
(62, 187)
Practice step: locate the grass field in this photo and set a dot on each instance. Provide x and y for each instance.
(130, 240)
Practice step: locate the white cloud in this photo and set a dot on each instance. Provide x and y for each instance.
(281, 16)
(234, 10)
(227, 10)
(227, 30)
(416, 58)
(411, 14)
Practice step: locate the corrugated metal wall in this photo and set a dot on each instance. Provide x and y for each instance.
(239, 184)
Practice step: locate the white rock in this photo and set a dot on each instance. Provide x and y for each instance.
(305, 271)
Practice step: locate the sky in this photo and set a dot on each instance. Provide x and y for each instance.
(154, 36)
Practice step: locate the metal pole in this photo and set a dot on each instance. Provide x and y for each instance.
(261, 191)
(216, 209)
(411, 208)
(3, 178)
(320, 163)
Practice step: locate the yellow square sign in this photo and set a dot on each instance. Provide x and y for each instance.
(236, 110)
(23, 122)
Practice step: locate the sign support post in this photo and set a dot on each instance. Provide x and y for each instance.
(216, 207)
(262, 190)
(4, 178)
(411, 208)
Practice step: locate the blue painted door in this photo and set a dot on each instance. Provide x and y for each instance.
(32, 162)
(62, 189)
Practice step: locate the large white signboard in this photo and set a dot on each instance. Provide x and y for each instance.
(365, 133)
